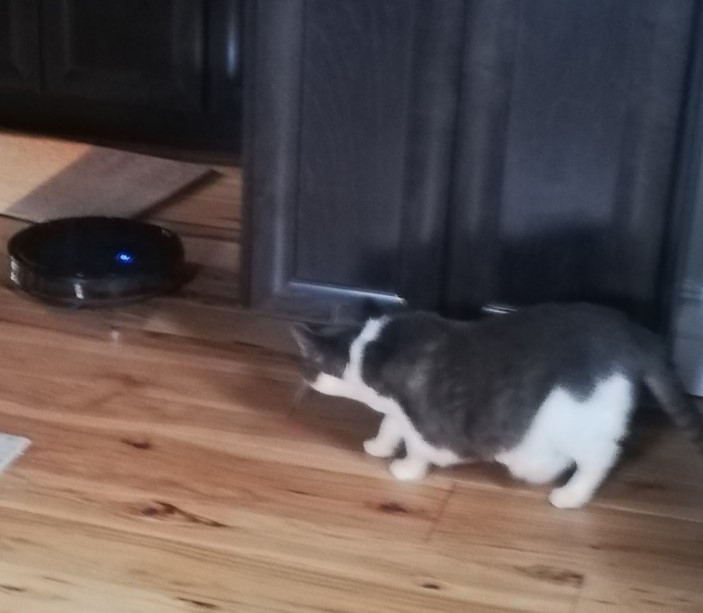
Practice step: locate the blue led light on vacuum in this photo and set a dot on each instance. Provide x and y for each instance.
(124, 257)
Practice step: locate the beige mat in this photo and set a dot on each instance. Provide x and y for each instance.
(11, 447)
(42, 179)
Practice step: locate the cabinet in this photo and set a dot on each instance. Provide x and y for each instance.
(131, 51)
(465, 154)
(165, 71)
(19, 49)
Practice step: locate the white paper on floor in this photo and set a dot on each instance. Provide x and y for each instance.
(11, 447)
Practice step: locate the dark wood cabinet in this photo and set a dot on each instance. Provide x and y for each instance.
(160, 71)
(567, 151)
(465, 154)
(223, 92)
(19, 49)
(131, 51)
(348, 150)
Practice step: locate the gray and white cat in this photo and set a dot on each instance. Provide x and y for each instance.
(541, 390)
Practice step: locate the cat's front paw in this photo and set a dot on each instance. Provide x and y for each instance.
(568, 498)
(408, 469)
(378, 448)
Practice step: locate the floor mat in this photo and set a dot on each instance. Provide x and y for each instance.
(11, 447)
(43, 179)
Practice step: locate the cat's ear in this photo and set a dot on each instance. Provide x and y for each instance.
(308, 339)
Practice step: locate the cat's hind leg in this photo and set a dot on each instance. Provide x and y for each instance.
(590, 473)
(385, 443)
(536, 466)
(592, 438)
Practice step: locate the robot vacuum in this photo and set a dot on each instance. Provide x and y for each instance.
(95, 261)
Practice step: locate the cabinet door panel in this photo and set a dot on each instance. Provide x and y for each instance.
(135, 51)
(469, 154)
(567, 151)
(19, 45)
(225, 56)
(348, 155)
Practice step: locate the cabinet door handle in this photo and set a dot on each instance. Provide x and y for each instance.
(497, 308)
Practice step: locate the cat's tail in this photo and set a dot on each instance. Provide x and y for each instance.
(662, 380)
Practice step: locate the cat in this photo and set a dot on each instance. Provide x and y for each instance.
(542, 390)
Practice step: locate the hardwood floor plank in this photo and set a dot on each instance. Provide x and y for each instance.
(94, 331)
(211, 252)
(251, 419)
(122, 356)
(192, 494)
(198, 228)
(609, 595)
(220, 323)
(660, 476)
(184, 463)
(174, 468)
(19, 309)
(30, 590)
(597, 541)
(214, 202)
(229, 580)
(122, 368)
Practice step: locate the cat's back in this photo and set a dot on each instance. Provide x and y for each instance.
(417, 333)
(567, 324)
(563, 341)
(535, 326)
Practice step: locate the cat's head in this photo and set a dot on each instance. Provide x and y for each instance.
(324, 352)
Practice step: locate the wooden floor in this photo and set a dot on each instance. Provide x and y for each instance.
(173, 470)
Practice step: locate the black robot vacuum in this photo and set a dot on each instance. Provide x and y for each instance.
(96, 261)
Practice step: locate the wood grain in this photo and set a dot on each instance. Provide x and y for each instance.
(175, 469)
